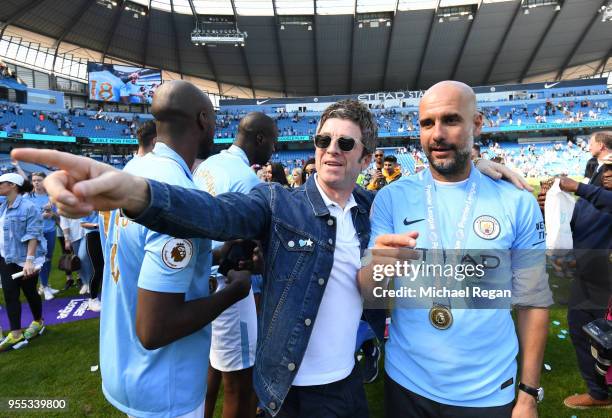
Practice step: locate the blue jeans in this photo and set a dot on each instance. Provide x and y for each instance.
(86, 271)
(46, 268)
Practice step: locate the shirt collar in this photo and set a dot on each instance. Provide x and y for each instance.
(330, 203)
(162, 150)
(239, 152)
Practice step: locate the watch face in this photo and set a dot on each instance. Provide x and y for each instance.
(540, 394)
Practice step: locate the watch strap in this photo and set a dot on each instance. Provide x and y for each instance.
(529, 390)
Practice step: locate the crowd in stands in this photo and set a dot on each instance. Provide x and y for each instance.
(75, 122)
(548, 112)
(536, 160)
(398, 122)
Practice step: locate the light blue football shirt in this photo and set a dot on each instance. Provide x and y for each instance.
(169, 381)
(230, 171)
(466, 364)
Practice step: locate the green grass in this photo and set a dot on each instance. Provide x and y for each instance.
(57, 366)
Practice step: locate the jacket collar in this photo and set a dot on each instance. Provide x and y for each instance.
(16, 203)
(318, 205)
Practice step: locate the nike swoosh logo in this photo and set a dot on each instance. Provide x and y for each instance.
(551, 85)
(260, 102)
(407, 222)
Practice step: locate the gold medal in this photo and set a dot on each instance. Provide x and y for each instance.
(440, 317)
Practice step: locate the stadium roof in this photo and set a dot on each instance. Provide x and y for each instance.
(336, 46)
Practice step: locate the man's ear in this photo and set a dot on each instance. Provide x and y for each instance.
(478, 121)
(202, 120)
(366, 160)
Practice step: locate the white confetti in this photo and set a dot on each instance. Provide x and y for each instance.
(547, 367)
(94, 369)
(561, 336)
(564, 331)
(556, 323)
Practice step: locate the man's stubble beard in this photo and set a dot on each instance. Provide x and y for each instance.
(456, 165)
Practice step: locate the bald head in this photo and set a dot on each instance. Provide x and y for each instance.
(256, 123)
(257, 135)
(185, 119)
(179, 98)
(453, 89)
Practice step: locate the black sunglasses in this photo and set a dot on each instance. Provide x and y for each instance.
(345, 143)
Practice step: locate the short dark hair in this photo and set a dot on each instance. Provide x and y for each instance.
(146, 133)
(357, 112)
(603, 137)
(391, 159)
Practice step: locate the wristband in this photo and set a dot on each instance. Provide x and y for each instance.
(30, 258)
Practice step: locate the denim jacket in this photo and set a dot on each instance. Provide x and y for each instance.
(295, 275)
(22, 222)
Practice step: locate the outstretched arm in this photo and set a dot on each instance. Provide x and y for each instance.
(82, 185)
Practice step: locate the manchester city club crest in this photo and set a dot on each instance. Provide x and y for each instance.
(486, 227)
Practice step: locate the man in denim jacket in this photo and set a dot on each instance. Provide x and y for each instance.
(312, 238)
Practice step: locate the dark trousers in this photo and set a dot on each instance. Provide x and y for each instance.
(11, 288)
(345, 398)
(576, 318)
(94, 251)
(402, 403)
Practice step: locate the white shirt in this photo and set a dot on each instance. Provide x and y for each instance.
(330, 354)
(76, 230)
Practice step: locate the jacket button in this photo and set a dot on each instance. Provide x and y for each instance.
(291, 244)
(330, 222)
(291, 367)
(331, 241)
(321, 281)
(307, 321)
(272, 405)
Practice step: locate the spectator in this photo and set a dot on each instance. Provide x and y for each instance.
(275, 172)
(22, 249)
(49, 218)
(391, 172)
(296, 176)
(590, 291)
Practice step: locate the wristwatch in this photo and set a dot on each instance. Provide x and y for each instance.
(537, 393)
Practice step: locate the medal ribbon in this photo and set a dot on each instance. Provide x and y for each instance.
(432, 217)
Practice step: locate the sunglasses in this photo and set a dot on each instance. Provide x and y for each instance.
(345, 143)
